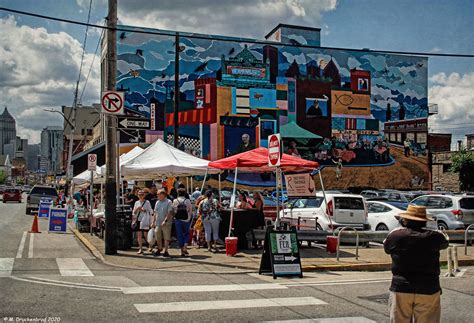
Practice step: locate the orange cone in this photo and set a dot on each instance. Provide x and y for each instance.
(34, 226)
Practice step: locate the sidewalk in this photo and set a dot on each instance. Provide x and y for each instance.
(201, 261)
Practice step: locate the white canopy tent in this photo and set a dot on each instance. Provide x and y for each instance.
(161, 159)
(84, 177)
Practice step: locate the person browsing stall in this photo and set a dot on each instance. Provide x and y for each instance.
(183, 211)
(141, 219)
(162, 223)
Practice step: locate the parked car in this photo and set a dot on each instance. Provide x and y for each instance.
(12, 195)
(26, 188)
(451, 212)
(371, 193)
(383, 216)
(2, 189)
(313, 213)
(37, 193)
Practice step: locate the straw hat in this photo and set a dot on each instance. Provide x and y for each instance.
(416, 213)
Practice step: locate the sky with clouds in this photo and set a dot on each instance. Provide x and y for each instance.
(40, 59)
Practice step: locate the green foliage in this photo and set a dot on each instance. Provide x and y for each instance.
(3, 177)
(463, 163)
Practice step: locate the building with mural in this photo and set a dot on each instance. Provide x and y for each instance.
(349, 106)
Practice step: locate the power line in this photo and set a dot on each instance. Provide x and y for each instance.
(92, 64)
(234, 39)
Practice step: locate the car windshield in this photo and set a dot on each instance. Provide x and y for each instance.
(11, 190)
(44, 191)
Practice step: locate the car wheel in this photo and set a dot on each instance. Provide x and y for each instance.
(381, 227)
(28, 211)
(442, 225)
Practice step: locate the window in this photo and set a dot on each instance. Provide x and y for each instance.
(433, 203)
(422, 201)
(89, 132)
(314, 202)
(466, 203)
(445, 202)
(349, 203)
(299, 203)
(446, 168)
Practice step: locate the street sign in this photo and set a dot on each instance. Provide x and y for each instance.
(130, 123)
(92, 162)
(299, 185)
(44, 206)
(57, 220)
(274, 147)
(281, 255)
(152, 116)
(112, 102)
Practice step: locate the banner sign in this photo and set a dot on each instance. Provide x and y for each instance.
(281, 255)
(57, 220)
(300, 185)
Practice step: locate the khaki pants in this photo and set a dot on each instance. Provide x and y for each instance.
(163, 232)
(418, 308)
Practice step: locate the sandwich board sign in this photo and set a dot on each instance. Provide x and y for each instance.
(44, 206)
(281, 255)
(57, 220)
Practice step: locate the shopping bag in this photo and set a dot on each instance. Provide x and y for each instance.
(151, 237)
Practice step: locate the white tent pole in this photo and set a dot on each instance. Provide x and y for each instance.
(232, 206)
(277, 179)
(204, 181)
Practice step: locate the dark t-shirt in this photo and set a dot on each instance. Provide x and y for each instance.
(415, 260)
(133, 199)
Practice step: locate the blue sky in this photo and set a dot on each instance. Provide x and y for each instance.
(404, 25)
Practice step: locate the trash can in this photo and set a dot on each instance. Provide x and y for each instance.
(124, 227)
(331, 244)
(231, 246)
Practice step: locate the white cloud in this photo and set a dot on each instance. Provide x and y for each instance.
(248, 18)
(454, 95)
(38, 71)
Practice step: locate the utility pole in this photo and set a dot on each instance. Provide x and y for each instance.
(111, 144)
(176, 90)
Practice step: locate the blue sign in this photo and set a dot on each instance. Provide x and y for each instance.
(43, 209)
(57, 220)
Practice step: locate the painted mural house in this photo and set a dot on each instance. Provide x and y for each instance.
(333, 106)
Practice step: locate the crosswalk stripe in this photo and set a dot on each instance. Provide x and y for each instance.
(30, 248)
(73, 267)
(226, 304)
(19, 253)
(200, 288)
(6, 266)
(353, 319)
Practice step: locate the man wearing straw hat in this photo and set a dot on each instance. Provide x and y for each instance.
(415, 290)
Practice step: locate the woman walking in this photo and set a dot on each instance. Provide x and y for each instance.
(182, 219)
(141, 219)
(211, 220)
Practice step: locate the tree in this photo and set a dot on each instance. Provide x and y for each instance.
(463, 163)
(3, 177)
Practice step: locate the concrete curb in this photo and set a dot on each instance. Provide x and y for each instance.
(96, 253)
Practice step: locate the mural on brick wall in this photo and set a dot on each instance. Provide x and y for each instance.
(352, 108)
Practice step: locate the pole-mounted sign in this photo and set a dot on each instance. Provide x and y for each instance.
(112, 102)
(274, 147)
(92, 162)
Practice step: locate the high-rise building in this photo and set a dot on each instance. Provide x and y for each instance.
(33, 153)
(7, 129)
(52, 148)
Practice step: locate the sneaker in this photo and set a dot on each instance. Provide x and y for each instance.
(166, 254)
(156, 253)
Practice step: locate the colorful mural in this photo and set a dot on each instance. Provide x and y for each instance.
(232, 87)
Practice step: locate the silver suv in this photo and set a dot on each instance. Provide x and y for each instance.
(36, 194)
(451, 211)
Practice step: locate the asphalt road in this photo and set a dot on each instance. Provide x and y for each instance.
(52, 278)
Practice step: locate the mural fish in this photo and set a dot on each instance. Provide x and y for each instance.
(344, 99)
(258, 96)
(134, 73)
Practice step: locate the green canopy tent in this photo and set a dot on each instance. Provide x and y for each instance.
(291, 131)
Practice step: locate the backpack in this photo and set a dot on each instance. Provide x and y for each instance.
(181, 211)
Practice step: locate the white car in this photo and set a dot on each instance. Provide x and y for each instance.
(312, 213)
(383, 216)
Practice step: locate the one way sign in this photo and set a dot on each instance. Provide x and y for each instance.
(133, 123)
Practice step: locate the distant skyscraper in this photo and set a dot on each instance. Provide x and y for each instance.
(7, 129)
(52, 148)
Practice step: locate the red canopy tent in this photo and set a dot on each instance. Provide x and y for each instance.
(256, 160)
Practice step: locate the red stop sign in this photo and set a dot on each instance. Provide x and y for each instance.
(274, 150)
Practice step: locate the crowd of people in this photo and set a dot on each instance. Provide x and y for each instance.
(195, 218)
